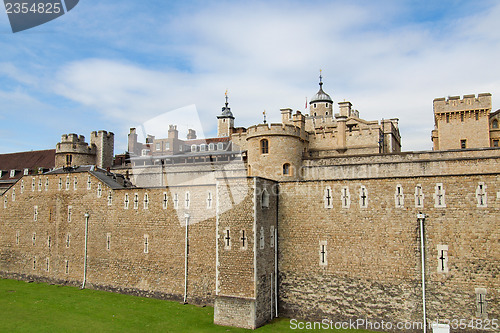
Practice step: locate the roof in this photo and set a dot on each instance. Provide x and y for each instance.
(28, 160)
(207, 140)
(321, 96)
(114, 181)
(494, 113)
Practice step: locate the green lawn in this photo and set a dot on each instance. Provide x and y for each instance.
(39, 307)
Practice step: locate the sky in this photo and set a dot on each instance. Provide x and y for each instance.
(112, 65)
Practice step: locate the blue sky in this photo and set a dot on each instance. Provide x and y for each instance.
(113, 65)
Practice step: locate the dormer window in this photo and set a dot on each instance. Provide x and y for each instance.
(211, 146)
(12, 173)
(26, 171)
(203, 147)
(220, 146)
(193, 148)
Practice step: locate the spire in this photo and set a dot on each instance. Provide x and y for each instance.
(226, 110)
(321, 96)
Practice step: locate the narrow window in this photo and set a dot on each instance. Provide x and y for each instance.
(47, 184)
(439, 195)
(13, 194)
(345, 197)
(442, 257)
(495, 143)
(110, 198)
(203, 147)
(165, 200)
(49, 241)
(33, 239)
(158, 146)
(18, 235)
(26, 172)
(67, 183)
(146, 201)
(5, 202)
(209, 199)
(146, 243)
(262, 239)
(399, 197)
(220, 146)
(125, 201)
(47, 264)
(32, 184)
(363, 197)
(271, 236)
(176, 201)
(477, 116)
(136, 201)
(99, 190)
(193, 148)
(264, 146)
(22, 185)
(227, 239)
(66, 264)
(327, 198)
(447, 118)
(211, 146)
(68, 238)
(463, 144)
(244, 240)
(39, 184)
(419, 196)
(286, 169)
(35, 213)
(12, 173)
(265, 199)
(89, 183)
(60, 184)
(481, 195)
(481, 303)
(69, 213)
(34, 263)
(187, 201)
(69, 160)
(494, 123)
(461, 117)
(323, 259)
(108, 241)
(75, 183)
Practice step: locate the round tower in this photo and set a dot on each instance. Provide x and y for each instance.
(321, 104)
(275, 151)
(73, 151)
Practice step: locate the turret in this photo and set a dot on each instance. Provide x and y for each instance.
(321, 104)
(225, 121)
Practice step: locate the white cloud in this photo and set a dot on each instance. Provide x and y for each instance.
(268, 56)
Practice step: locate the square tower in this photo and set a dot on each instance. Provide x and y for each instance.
(461, 123)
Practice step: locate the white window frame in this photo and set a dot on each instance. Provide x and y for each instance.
(363, 190)
(146, 243)
(323, 253)
(419, 193)
(146, 201)
(12, 173)
(439, 192)
(126, 201)
(481, 195)
(345, 197)
(165, 200)
(399, 197)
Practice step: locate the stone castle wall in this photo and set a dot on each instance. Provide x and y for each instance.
(126, 265)
(348, 244)
(373, 251)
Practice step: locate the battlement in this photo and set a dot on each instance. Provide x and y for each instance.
(72, 138)
(276, 129)
(104, 134)
(467, 103)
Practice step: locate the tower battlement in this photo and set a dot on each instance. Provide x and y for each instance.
(467, 103)
(72, 138)
(276, 129)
